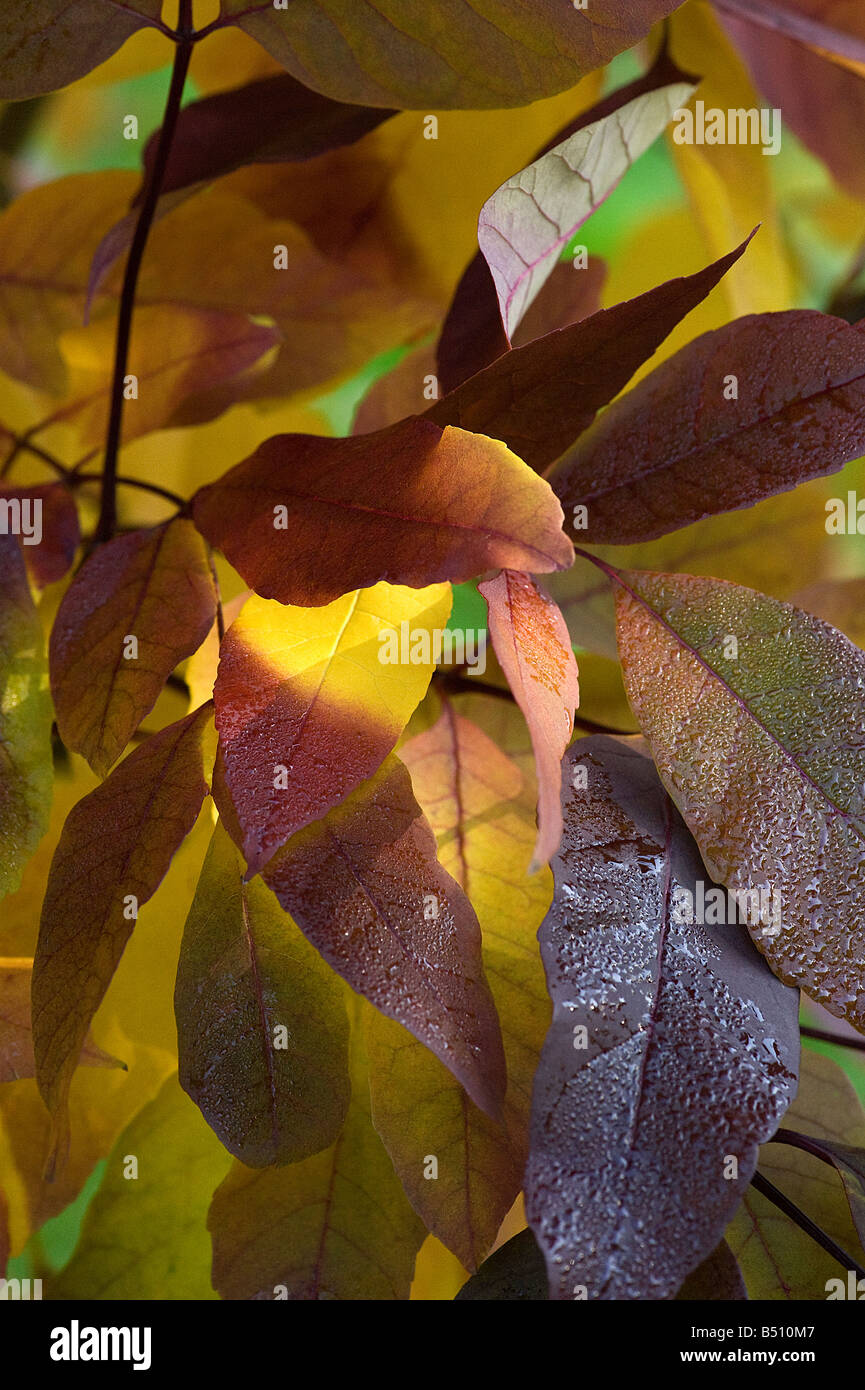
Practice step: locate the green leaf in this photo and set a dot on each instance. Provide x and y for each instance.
(46, 44)
(753, 712)
(145, 1236)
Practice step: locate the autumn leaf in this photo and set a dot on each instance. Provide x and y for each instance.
(540, 397)
(25, 721)
(526, 224)
(306, 519)
(361, 884)
(139, 605)
(226, 130)
(532, 644)
(310, 700)
(16, 1042)
(483, 818)
(672, 1053)
(46, 516)
(123, 1251)
(475, 331)
(778, 1259)
(45, 44)
(175, 354)
(114, 851)
(751, 409)
(496, 54)
(262, 1030)
(752, 712)
(473, 336)
(336, 1226)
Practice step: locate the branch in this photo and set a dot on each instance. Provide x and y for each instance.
(776, 1196)
(857, 1043)
(456, 684)
(153, 188)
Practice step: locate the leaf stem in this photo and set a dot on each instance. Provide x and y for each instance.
(857, 1043)
(776, 1196)
(185, 42)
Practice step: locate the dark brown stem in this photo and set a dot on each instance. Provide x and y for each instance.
(776, 1196)
(220, 616)
(858, 1044)
(139, 483)
(452, 683)
(183, 52)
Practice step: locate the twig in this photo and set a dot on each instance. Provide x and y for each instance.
(183, 52)
(857, 1043)
(776, 1196)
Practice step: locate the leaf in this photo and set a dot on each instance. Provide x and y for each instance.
(247, 975)
(473, 336)
(778, 1259)
(114, 851)
(226, 130)
(526, 224)
(672, 1048)
(176, 353)
(483, 819)
(154, 586)
(310, 700)
(718, 1277)
(16, 1043)
(46, 44)
(849, 1163)
(49, 235)
(306, 519)
(539, 398)
(516, 1272)
(336, 1226)
(838, 29)
(532, 644)
(147, 1238)
(395, 54)
(25, 721)
(768, 547)
(50, 510)
(676, 449)
(761, 751)
(357, 883)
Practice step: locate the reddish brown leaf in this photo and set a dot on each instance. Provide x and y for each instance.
(153, 586)
(46, 44)
(306, 519)
(114, 851)
(541, 397)
(531, 641)
(51, 518)
(357, 883)
(265, 122)
(681, 445)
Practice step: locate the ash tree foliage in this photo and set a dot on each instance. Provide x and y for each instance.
(370, 948)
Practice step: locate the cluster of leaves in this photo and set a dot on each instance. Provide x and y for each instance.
(392, 1017)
